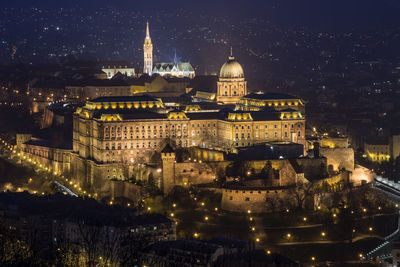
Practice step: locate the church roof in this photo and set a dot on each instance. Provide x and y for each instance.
(168, 66)
(167, 149)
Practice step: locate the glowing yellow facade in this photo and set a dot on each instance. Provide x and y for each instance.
(260, 101)
(377, 152)
(125, 131)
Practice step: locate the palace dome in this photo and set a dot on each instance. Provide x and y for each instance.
(231, 69)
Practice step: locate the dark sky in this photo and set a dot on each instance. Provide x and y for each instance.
(318, 13)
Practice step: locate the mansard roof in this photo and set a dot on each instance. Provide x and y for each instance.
(128, 114)
(124, 99)
(269, 96)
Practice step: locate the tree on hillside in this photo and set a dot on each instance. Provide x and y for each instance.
(300, 193)
(238, 167)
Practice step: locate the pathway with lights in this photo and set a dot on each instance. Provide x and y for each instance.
(391, 189)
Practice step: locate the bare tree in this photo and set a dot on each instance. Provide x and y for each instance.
(273, 202)
(89, 241)
(110, 245)
(301, 192)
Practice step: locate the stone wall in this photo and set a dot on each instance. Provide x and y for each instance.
(255, 200)
(194, 173)
(339, 158)
(57, 160)
(121, 189)
(204, 154)
(331, 142)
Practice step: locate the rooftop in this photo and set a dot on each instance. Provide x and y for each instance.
(269, 96)
(123, 99)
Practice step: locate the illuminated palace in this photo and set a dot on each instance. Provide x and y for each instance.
(112, 135)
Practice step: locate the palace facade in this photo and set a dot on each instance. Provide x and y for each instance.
(113, 135)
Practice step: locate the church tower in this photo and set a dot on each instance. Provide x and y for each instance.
(168, 170)
(148, 53)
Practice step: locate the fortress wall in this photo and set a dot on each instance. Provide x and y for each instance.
(254, 200)
(194, 173)
(339, 158)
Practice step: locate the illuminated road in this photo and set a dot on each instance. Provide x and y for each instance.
(65, 189)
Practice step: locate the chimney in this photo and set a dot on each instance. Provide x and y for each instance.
(316, 150)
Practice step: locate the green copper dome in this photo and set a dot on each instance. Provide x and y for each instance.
(231, 69)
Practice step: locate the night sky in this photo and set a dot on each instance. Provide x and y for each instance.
(327, 14)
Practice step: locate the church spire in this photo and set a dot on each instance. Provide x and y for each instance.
(147, 31)
(148, 52)
(175, 58)
(231, 57)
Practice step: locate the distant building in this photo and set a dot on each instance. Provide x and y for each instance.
(159, 86)
(191, 253)
(394, 142)
(85, 90)
(221, 252)
(377, 150)
(111, 71)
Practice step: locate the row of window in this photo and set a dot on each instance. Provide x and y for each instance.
(275, 126)
(119, 146)
(266, 135)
